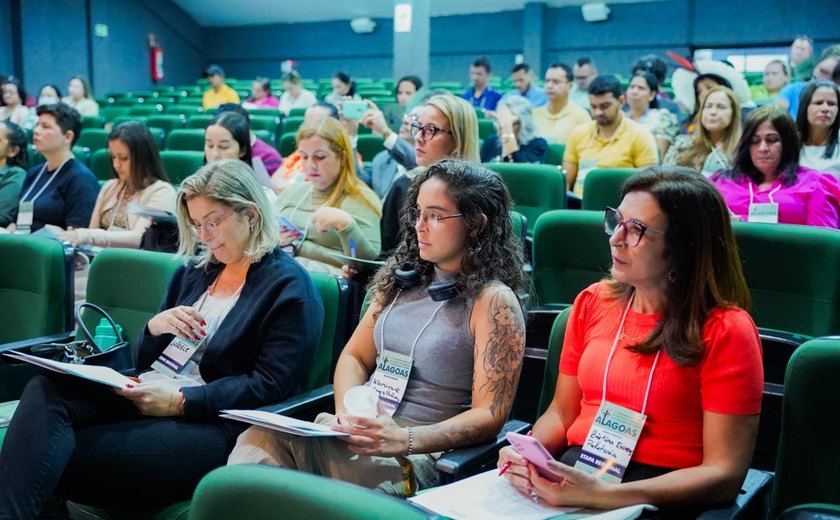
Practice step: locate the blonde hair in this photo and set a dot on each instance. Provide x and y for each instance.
(348, 183)
(234, 184)
(463, 123)
(702, 144)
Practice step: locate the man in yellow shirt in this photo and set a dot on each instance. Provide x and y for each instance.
(218, 93)
(556, 120)
(610, 141)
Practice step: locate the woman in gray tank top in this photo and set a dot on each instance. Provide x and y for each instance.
(442, 342)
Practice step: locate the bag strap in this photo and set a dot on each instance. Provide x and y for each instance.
(85, 332)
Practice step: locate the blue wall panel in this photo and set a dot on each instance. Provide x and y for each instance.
(6, 56)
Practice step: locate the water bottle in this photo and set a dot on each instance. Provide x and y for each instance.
(105, 337)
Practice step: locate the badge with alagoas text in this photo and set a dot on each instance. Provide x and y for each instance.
(390, 379)
(611, 442)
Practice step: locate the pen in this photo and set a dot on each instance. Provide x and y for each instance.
(352, 248)
(506, 466)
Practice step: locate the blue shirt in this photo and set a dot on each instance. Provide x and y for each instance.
(791, 93)
(535, 96)
(67, 201)
(487, 100)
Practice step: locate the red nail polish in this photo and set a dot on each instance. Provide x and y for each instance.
(203, 323)
(203, 333)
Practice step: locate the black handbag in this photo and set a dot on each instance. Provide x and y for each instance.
(86, 351)
(162, 236)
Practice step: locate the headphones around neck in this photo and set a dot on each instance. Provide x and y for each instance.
(407, 278)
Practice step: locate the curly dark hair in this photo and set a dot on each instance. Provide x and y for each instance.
(492, 252)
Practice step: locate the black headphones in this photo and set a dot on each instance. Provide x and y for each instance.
(407, 278)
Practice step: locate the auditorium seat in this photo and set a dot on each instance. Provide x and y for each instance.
(183, 110)
(535, 188)
(180, 164)
(93, 138)
(369, 145)
(291, 124)
(167, 122)
(100, 165)
(128, 117)
(486, 128)
(296, 112)
(93, 122)
(273, 112)
(555, 154)
(288, 144)
(199, 121)
(602, 187)
(146, 109)
(186, 139)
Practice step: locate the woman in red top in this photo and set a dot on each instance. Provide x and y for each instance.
(671, 329)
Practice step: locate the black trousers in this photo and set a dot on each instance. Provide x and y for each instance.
(80, 441)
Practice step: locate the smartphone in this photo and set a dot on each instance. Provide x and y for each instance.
(286, 223)
(535, 453)
(353, 109)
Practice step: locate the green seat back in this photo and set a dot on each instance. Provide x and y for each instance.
(93, 138)
(535, 188)
(602, 187)
(555, 154)
(32, 287)
(159, 135)
(261, 493)
(100, 165)
(146, 109)
(128, 117)
(262, 122)
(82, 154)
(111, 112)
(519, 226)
(793, 273)
(806, 465)
(167, 122)
(186, 139)
(486, 128)
(369, 145)
(180, 164)
(288, 144)
(552, 361)
(291, 124)
(93, 122)
(297, 112)
(184, 110)
(571, 251)
(265, 136)
(263, 112)
(199, 121)
(333, 291)
(130, 285)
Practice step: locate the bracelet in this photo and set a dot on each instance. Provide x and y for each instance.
(410, 442)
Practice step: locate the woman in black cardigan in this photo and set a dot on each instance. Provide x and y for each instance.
(250, 319)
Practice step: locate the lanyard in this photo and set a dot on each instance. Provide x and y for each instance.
(297, 206)
(117, 208)
(385, 317)
(612, 351)
(769, 195)
(44, 187)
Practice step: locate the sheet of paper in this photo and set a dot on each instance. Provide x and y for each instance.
(281, 423)
(375, 264)
(104, 375)
(147, 211)
(487, 496)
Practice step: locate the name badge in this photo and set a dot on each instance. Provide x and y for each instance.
(26, 214)
(611, 442)
(173, 359)
(390, 379)
(764, 212)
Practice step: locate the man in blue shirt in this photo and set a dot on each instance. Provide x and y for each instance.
(481, 95)
(829, 59)
(523, 81)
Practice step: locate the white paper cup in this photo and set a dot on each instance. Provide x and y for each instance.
(361, 401)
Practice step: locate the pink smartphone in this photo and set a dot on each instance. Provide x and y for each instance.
(535, 453)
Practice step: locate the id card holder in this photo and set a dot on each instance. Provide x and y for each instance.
(584, 167)
(176, 355)
(764, 213)
(390, 379)
(611, 441)
(26, 215)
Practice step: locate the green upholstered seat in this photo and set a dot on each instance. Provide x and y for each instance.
(199, 121)
(486, 128)
(185, 139)
(535, 188)
(333, 291)
(602, 187)
(571, 251)
(146, 109)
(93, 138)
(369, 145)
(288, 144)
(265, 122)
(32, 287)
(184, 110)
(552, 360)
(291, 124)
(297, 112)
(93, 122)
(180, 164)
(806, 466)
(263, 493)
(555, 154)
(167, 122)
(100, 165)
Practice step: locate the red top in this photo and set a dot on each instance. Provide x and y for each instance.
(728, 379)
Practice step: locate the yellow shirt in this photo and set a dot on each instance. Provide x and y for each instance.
(630, 146)
(212, 99)
(555, 128)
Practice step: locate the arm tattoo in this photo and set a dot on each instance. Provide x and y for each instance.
(504, 352)
(438, 437)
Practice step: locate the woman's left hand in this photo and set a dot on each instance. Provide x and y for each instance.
(71, 235)
(578, 489)
(372, 437)
(156, 398)
(326, 218)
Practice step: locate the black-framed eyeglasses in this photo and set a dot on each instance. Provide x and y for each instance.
(211, 227)
(633, 229)
(426, 132)
(430, 218)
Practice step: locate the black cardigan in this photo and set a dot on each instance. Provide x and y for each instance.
(263, 348)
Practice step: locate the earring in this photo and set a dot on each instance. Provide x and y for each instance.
(672, 276)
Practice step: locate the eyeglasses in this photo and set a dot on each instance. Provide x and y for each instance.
(430, 218)
(427, 132)
(212, 228)
(634, 230)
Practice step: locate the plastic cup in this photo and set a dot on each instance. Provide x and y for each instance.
(361, 401)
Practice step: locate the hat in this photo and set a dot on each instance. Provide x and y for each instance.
(682, 81)
(214, 70)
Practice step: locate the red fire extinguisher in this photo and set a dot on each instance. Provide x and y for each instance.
(156, 59)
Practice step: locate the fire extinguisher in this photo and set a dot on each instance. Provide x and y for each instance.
(156, 59)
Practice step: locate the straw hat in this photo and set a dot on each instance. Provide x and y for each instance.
(682, 81)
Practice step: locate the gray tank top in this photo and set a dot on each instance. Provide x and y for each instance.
(440, 384)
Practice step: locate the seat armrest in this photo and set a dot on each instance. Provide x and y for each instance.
(753, 501)
(308, 403)
(61, 337)
(457, 464)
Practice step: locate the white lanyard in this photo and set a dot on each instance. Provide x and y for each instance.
(297, 206)
(422, 330)
(44, 187)
(612, 351)
(769, 195)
